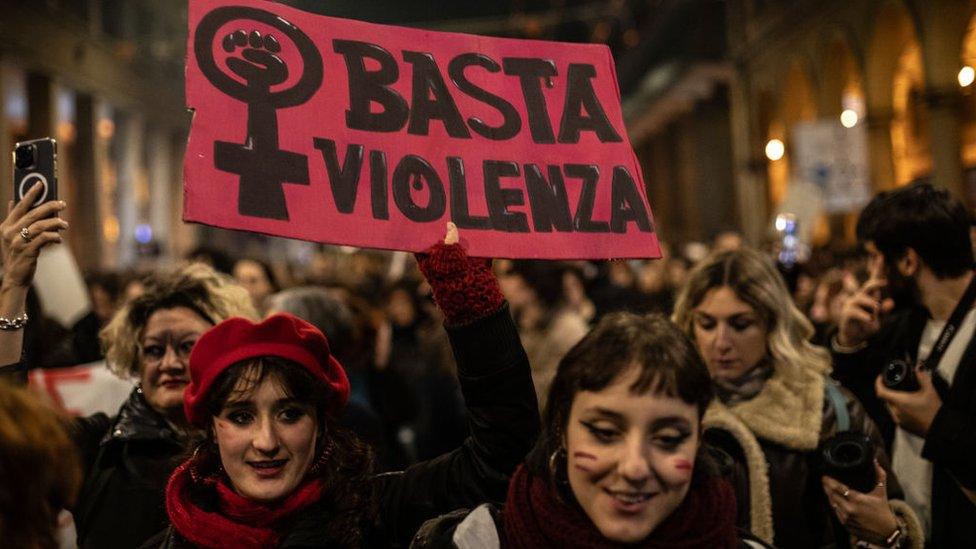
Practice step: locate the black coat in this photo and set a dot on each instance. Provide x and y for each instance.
(951, 441)
(127, 461)
(495, 379)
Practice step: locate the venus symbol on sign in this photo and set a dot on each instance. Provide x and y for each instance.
(255, 58)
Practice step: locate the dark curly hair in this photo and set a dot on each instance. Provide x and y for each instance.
(924, 218)
(348, 506)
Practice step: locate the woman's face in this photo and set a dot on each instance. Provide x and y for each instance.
(630, 457)
(266, 440)
(730, 334)
(164, 354)
(250, 275)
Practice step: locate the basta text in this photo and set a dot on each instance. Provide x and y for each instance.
(431, 99)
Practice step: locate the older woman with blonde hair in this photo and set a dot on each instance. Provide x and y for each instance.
(127, 458)
(777, 407)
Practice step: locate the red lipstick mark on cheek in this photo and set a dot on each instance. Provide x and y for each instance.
(583, 456)
(682, 465)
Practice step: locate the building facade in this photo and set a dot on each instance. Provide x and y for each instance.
(105, 78)
(902, 70)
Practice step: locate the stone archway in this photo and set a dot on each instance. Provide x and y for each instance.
(795, 103)
(967, 107)
(841, 98)
(968, 130)
(842, 80)
(893, 35)
(910, 138)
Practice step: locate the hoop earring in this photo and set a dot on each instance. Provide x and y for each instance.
(554, 474)
(197, 473)
(323, 458)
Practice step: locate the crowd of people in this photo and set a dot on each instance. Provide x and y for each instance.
(713, 398)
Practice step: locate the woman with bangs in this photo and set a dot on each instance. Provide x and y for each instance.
(620, 460)
(775, 409)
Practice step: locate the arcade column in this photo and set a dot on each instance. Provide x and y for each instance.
(880, 152)
(85, 234)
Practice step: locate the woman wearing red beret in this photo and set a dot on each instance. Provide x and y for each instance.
(276, 469)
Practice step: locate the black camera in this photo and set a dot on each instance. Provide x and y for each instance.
(899, 375)
(849, 458)
(24, 156)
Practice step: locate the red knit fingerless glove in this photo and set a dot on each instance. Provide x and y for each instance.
(464, 287)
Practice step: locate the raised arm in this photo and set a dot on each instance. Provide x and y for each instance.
(495, 379)
(23, 234)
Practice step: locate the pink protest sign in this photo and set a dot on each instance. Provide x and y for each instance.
(346, 132)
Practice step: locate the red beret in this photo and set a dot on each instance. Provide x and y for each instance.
(281, 335)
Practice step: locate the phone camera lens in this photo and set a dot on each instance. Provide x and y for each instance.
(24, 157)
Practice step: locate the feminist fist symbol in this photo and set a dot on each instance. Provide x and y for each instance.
(260, 68)
(262, 166)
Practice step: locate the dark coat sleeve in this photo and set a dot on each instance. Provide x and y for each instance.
(16, 373)
(87, 434)
(495, 379)
(951, 443)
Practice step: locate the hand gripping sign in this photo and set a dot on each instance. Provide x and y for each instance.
(346, 132)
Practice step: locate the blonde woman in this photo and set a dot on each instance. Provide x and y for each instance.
(775, 409)
(127, 458)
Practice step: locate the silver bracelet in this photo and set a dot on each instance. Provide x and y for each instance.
(14, 323)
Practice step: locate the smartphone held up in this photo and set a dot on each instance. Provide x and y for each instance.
(36, 162)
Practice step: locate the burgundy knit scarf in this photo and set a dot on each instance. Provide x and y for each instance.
(535, 518)
(239, 522)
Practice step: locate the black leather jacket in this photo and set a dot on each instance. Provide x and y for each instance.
(795, 501)
(127, 461)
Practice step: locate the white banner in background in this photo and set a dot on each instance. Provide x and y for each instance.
(60, 286)
(835, 159)
(80, 391)
(83, 390)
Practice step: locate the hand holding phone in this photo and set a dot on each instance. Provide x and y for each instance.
(32, 220)
(36, 162)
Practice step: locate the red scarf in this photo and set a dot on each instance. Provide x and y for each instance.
(240, 522)
(534, 518)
